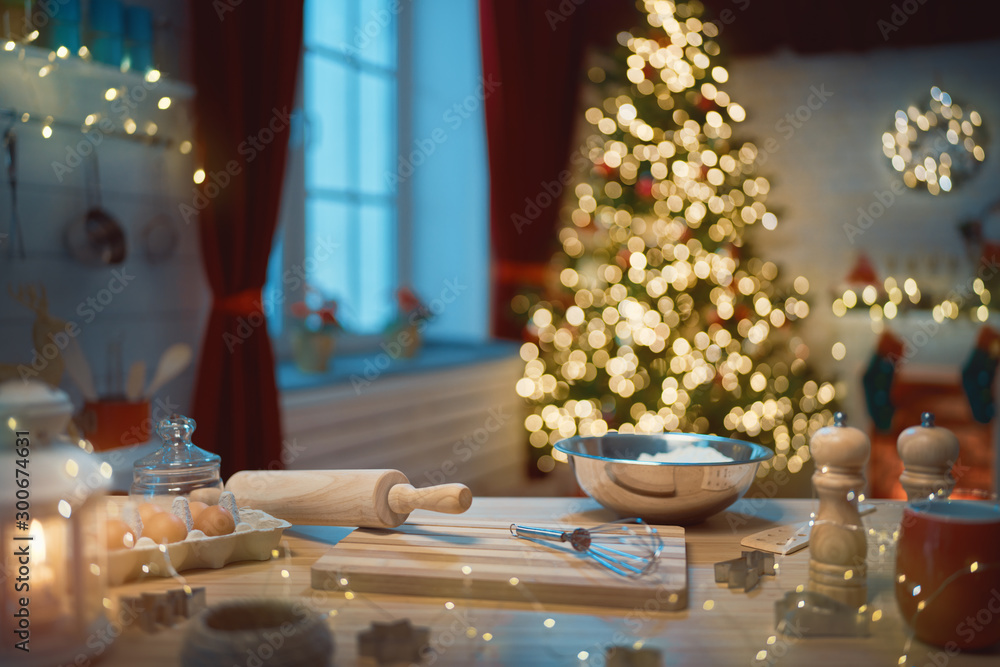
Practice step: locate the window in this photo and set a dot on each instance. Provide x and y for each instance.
(367, 206)
(349, 89)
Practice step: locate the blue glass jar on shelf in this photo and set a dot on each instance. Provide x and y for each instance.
(58, 24)
(138, 40)
(106, 27)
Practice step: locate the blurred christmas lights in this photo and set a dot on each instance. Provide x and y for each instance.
(657, 323)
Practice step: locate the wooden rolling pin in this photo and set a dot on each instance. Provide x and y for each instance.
(367, 498)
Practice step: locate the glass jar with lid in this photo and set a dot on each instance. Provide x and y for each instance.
(179, 468)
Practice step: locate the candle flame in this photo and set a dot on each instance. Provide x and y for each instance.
(37, 533)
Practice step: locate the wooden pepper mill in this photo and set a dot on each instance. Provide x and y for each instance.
(928, 452)
(837, 544)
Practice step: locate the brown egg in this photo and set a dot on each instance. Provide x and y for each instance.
(146, 510)
(197, 507)
(215, 520)
(164, 528)
(119, 535)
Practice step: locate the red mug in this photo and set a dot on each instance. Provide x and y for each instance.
(948, 572)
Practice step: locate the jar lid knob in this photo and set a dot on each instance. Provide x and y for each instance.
(176, 427)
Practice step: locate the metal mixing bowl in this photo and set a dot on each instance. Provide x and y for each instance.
(607, 469)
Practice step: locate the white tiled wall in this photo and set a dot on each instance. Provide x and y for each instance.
(162, 303)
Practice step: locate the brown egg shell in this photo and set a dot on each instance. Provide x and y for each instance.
(215, 521)
(147, 510)
(164, 528)
(197, 507)
(119, 535)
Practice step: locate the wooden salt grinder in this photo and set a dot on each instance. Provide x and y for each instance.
(928, 452)
(837, 544)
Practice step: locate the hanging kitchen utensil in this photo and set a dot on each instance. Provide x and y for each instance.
(160, 236)
(159, 239)
(15, 235)
(173, 362)
(629, 547)
(97, 238)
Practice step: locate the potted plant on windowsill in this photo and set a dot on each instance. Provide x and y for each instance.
(404, 333)
(314, 333)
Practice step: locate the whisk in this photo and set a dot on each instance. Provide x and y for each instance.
(629, 547)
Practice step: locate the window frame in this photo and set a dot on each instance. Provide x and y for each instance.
(291, 230)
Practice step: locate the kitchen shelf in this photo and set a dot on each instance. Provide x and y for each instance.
(63, 92)
(30, 56)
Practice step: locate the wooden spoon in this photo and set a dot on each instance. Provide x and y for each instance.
(173, 362)
(136, 379)
(79, 370)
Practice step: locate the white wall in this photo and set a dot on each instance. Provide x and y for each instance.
(160, 304)
(831, 164)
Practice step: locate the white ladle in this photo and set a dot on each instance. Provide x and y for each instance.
(173, 362)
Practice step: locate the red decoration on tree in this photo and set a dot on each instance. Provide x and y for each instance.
(644, 187)
(704, 103)
(604, 170)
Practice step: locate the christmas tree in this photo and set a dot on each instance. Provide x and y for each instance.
(662, 319)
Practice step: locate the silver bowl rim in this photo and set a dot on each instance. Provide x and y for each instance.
(758, 453)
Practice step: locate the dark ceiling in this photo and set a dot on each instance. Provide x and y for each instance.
(816, 26)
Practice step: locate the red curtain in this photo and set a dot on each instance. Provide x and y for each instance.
(246, 58)
(535, 50)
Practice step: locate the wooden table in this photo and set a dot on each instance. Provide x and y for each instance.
(720, 626)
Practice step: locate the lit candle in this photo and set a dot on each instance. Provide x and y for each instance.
(43, 589)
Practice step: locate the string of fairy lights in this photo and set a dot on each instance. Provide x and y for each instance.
(46, 61)
(892, 299)
(937, 147)
(640, 280)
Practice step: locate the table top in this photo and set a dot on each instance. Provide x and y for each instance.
(719, 627)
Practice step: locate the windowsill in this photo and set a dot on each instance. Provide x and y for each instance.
(433, 356)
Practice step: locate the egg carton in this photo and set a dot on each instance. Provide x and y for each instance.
(255, 537)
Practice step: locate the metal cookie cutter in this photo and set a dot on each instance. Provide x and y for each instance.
(745, 572)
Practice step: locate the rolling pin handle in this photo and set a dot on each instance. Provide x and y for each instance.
(447, 498)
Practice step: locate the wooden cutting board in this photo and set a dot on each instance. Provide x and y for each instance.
(471, 558)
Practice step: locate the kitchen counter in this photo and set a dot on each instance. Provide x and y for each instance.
(719, 627)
